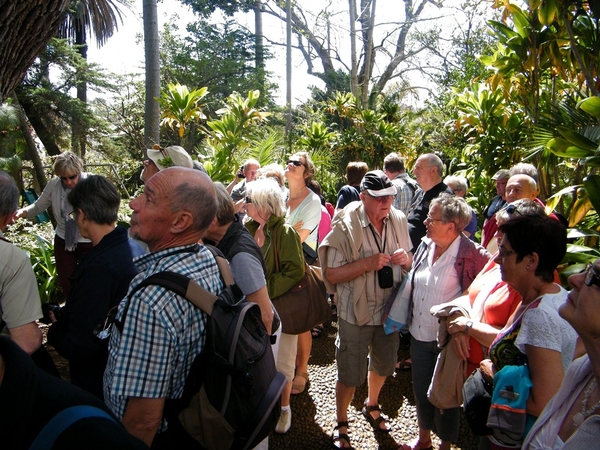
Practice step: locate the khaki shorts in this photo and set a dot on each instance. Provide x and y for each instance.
(355, 345)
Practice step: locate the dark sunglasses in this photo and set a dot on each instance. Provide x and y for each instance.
(72, 177)
(294, 162)
(591, 277)
(248, 200)
(511, 209)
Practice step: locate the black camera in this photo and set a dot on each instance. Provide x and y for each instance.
(240, 174)
(46, 308)
(385, 276)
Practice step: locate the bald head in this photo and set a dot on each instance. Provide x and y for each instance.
(520, 187)
(176, 208)
(428, 171)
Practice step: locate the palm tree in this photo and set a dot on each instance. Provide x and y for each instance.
(99, 18)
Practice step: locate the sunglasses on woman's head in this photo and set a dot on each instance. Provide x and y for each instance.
(511, 209)
(294, 162)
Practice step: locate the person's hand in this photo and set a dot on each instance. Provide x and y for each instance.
(487, 370)
(239, 206)
(377, 261)
(52, 317)
(461, 344)
(21, 213)
(457, 325)
(400, 257)
(298, 225)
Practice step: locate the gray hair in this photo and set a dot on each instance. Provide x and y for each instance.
(524, 169)
(67, 162)
(523, 207)
(195, 194)
(225, 207)
(435, 161)
(98, 198)
(458, 181)
(454, 209)
(266, 195)
(274, 171)
(9, 194)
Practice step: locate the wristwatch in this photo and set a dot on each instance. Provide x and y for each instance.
(468, 326)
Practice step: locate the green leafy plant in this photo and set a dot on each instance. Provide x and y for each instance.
(44, 267)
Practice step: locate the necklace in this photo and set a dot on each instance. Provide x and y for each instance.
(585, 412)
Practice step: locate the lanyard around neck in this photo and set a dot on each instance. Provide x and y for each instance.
(375, 237)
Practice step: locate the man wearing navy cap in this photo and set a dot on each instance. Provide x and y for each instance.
(362, 260)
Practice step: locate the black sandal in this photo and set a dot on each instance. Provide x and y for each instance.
(375, 423)
(341, 436)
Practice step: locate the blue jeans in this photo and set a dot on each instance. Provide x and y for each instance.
(443, 422)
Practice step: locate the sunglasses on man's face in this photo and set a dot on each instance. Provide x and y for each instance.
(295, 162)
(591, 277)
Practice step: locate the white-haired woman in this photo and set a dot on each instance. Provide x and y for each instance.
(277, 239)
(444, 266)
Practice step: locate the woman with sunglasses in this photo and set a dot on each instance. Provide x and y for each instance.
(571, 420)
(529, 252)
(491, 300)
(304, 214)
(444, 265)
(284, 263)
(69, 246)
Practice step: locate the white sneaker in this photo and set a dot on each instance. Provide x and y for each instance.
(284, 423)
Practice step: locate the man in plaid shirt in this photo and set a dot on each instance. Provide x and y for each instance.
(162, 332)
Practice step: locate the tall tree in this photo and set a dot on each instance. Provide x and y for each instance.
(26, 26)
(152, 58)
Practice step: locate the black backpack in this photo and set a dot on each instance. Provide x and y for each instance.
(232, 394)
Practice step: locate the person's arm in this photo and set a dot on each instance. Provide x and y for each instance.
(143, 416)
(235, 181)
(546, 371)
(28, 337)
(261, 298)
(481, 332)
(291, 262)
(42, 203)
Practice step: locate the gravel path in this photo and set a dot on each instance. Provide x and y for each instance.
(313, 411)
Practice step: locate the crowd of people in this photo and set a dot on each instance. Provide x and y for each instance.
(390, 238)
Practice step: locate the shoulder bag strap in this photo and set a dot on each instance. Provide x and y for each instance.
(64, 419)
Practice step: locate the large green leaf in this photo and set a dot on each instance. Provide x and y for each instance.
(578, 139)
(592, 187)
(564, 148)
(590, 105)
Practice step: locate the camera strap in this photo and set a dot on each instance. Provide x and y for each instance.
(375, 238)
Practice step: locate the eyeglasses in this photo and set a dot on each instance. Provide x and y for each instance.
(295, 162)
(248, 200)
(511, 209)
(431, 219)
(591, 277)
(503, 253)
(71, 177)
(73, 214)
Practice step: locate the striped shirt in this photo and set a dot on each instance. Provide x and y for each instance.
(371, 244)
(162, 332)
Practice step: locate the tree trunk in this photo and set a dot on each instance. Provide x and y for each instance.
(78, 127)
(152, 56)
(31, 149)
(259, 54)
(26, 26)
(369, 23)
(43, 133)
(353, 58)
(288, 72)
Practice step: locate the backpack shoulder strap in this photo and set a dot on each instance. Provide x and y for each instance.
(64, 419)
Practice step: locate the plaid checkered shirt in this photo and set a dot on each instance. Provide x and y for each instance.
(162, 332)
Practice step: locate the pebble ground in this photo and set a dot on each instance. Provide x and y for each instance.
(313, 411)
